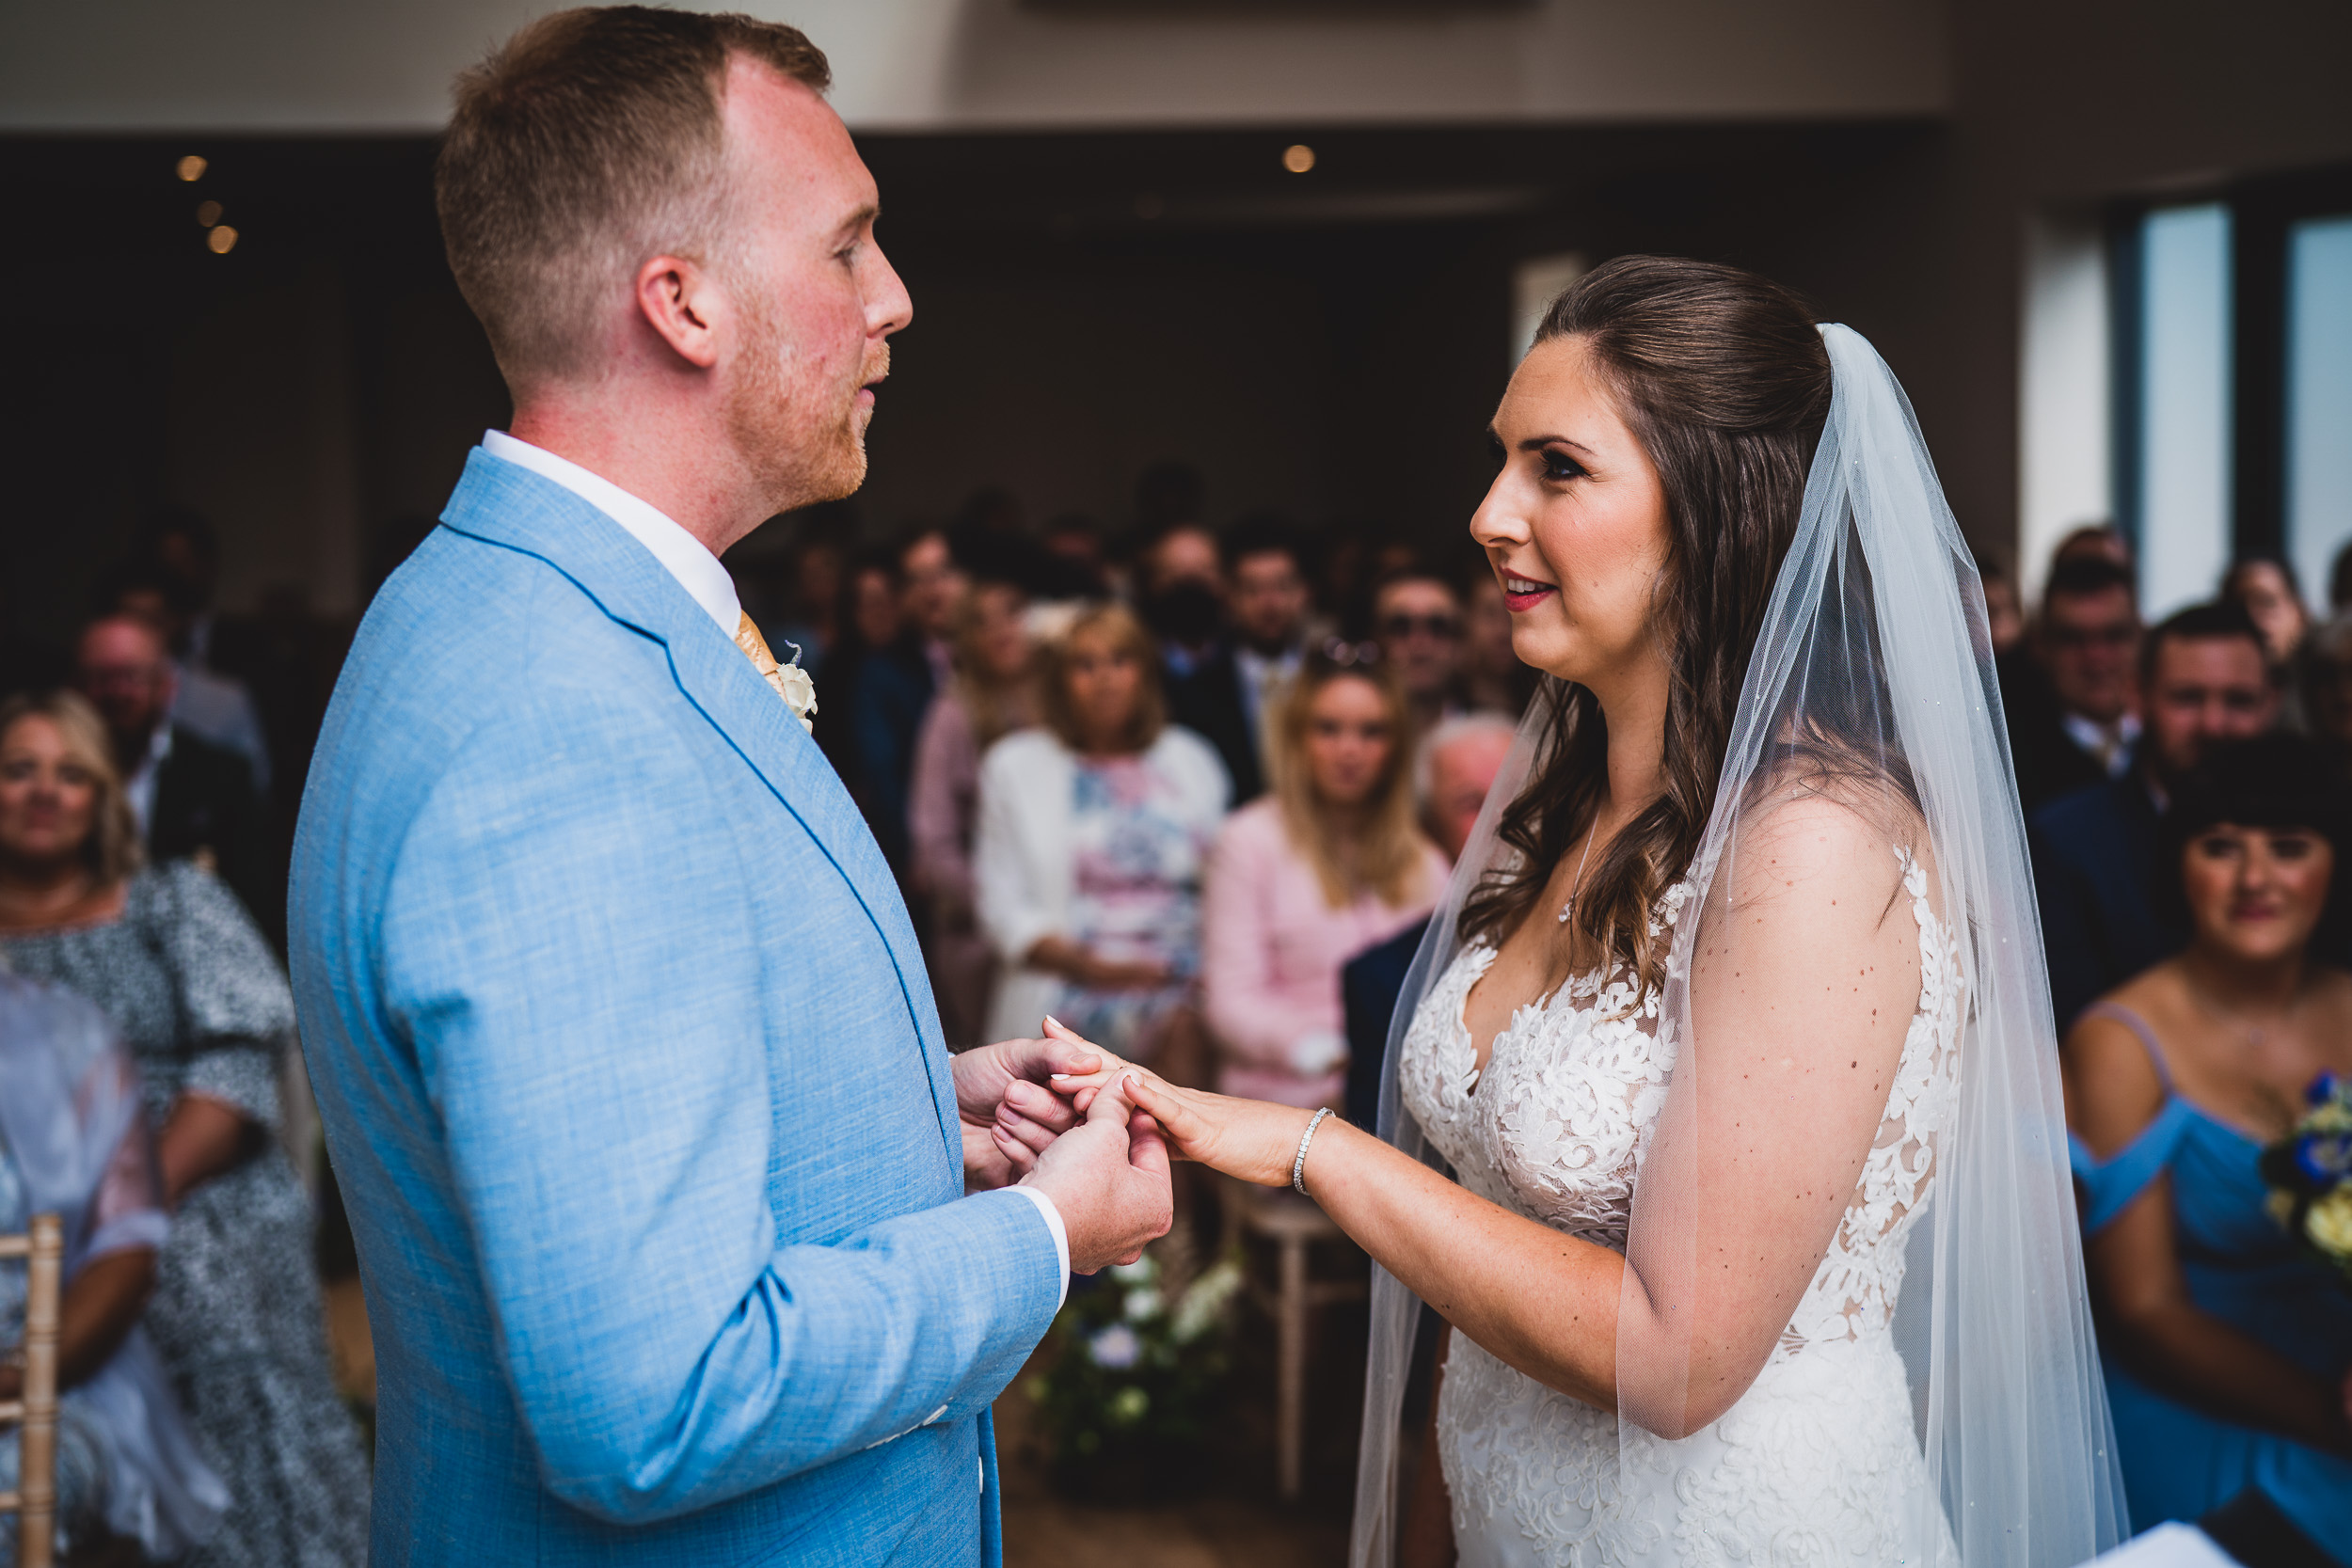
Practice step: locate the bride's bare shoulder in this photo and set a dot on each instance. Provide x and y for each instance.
(1836, 833)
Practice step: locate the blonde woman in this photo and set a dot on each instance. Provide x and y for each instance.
(1303, 880)
(1093, 829)
(181, 969)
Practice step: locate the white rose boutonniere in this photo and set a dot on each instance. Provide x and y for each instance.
(798, 688)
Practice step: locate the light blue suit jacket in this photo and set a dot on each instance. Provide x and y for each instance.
(634, 1086)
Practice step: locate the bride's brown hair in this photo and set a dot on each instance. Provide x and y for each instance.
(1722, 377)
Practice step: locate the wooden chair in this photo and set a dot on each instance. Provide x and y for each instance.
(1295, 1224)
(35, 1500)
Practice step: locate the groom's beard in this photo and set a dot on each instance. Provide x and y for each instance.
(802, 437)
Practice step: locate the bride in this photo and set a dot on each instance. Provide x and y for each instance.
(1752, 1229)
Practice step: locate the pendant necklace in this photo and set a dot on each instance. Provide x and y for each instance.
(1577, 886)
(2257, 1034)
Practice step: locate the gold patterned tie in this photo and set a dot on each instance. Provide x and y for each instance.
(803, 702)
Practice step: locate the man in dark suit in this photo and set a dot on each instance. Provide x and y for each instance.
(194, 799)
(1234, 628)
(2071, 719)
(2205, 680)
(1452, 770)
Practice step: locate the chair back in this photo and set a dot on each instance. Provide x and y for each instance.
(35, 1500)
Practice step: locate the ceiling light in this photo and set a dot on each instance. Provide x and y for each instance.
(1298, 158)
(208, 212)
(191, 168)
(221, 240)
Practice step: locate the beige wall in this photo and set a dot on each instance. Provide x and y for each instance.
(305, 65)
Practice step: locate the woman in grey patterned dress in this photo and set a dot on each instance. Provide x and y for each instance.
(203, 1006)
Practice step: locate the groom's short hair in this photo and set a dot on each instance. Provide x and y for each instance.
(593, 139)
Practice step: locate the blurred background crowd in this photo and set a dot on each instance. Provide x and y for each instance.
(1191, 785)
(1154, 653)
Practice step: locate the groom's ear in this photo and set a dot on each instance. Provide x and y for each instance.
(681, 302)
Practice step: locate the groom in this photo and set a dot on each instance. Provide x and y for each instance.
(630, 1073)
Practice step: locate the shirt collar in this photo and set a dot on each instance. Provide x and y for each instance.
(682, 555)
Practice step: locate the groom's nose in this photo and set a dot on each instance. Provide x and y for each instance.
(888, 305)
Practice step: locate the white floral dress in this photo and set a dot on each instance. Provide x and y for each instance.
(1820, 1462)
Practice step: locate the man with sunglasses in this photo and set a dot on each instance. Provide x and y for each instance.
(1417, 616)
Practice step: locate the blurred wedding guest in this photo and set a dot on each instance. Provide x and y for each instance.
(2226, 1347)
(1330, 863)
(1494, 679)
(1079, 558)
(74, 1143)
(219, 707)
(198, 997)
(1094, 830)
(1179, 591)
(934, 591)
(2206, 680)
(2004, 606)
(2093, 542)
(1453, 768)
(2265, 587)
(2324, 677)
(989, 697)
(190, 798)
(871, 695)
(1418, 618)
(2340, 582)
(805, 613)
(180, 543)
(2077, 726)
(1225, 694)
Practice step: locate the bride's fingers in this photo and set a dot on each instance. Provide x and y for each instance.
(1176, 1119)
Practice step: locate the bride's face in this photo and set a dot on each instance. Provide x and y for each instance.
(1575, 523)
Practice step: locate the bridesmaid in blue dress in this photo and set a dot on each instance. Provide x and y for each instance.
(2226, 1347)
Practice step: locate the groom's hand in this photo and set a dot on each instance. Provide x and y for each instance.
(1009, 1117)
(1109, 1177)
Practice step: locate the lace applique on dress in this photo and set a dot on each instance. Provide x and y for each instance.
(1819, 1462)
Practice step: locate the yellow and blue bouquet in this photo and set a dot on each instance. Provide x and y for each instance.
(2310, 1173)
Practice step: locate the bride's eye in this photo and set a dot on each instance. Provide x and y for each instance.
(1560, 465)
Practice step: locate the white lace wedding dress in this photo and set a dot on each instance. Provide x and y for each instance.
(1819, 1463)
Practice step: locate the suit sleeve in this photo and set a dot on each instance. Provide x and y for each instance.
(566, 943)
(2070, 922)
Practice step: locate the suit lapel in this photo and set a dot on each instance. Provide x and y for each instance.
(505, 504)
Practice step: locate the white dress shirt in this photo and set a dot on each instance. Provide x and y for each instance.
(140, 785)
(687, 559)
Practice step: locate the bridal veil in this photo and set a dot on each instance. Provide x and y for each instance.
(1873, 663)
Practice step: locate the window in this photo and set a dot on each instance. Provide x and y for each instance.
(2228, 382)
(2318, 520)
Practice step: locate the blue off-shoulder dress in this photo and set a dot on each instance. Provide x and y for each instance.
(2241, 1267)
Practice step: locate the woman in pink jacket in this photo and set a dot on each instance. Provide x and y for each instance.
(1302, 880)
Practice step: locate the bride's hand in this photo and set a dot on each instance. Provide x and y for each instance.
(1251, 1139)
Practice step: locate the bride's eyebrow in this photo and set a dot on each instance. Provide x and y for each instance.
(1538, 443)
